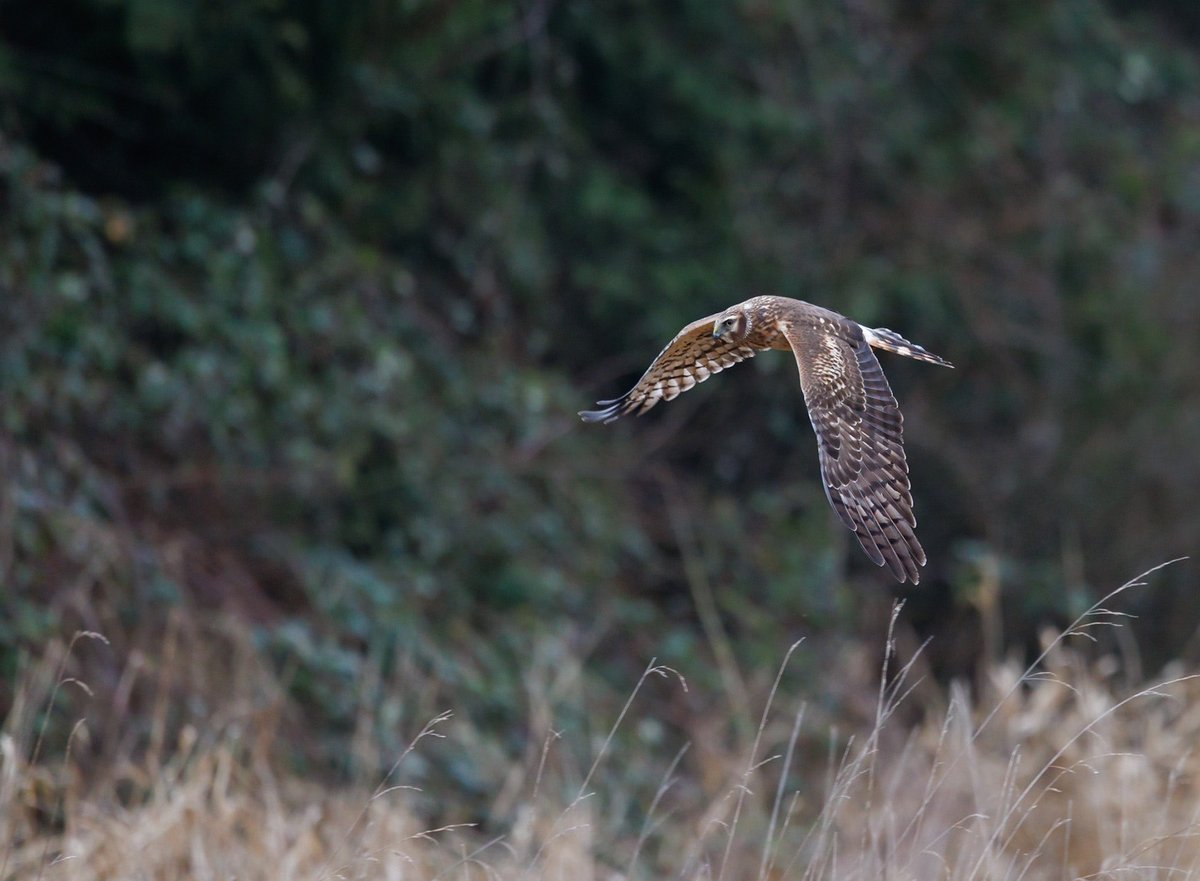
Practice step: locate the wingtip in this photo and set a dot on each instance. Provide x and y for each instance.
(910, 576)
(606, 415)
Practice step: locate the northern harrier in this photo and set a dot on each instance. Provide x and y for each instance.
(853, 411)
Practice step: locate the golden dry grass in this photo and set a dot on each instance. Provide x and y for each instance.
(1055, 772)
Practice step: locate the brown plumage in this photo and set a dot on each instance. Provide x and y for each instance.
(853, 411)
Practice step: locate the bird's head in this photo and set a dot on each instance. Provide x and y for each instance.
(733, 324)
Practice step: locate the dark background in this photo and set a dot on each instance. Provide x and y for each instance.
(299, 299)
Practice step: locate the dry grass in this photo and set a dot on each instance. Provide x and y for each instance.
(1054, 772)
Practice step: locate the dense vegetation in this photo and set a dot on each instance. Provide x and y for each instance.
(298, 302)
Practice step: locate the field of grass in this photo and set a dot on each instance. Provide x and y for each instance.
(1062, 769)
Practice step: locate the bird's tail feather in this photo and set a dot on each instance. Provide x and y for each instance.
(882, 338)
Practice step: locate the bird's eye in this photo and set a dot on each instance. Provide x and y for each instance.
(730, 321)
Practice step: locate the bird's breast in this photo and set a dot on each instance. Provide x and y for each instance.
(775, 335)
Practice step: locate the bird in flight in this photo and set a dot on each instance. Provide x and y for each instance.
(850, 404)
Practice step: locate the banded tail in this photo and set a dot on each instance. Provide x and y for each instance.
(882, 338)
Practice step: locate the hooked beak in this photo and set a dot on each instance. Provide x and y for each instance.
(719, 330)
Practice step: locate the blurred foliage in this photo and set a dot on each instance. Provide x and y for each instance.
(299, 300)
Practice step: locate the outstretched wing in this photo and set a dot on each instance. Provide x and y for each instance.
(693, 356)
(860, 441)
